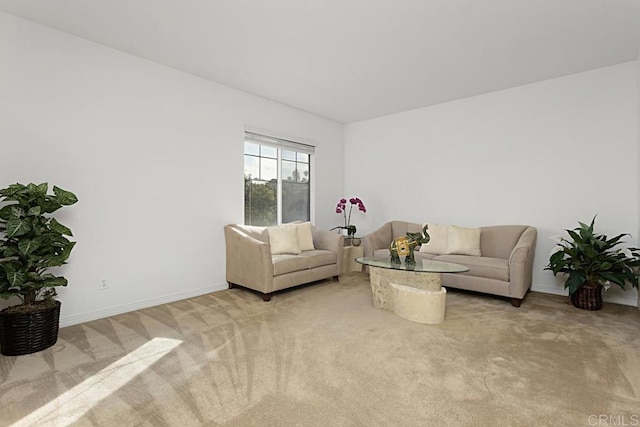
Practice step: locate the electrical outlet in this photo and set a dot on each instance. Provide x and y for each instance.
(102, 285)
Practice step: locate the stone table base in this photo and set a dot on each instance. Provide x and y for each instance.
(415, 296)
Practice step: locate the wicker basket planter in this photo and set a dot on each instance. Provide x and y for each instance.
(587, 297)
(26, 333)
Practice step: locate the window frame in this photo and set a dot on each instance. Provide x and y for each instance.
(281, 143)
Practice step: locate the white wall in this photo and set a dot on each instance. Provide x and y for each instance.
(154, 155)
(547, 154)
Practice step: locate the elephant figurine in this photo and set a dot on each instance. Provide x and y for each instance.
(404, 246)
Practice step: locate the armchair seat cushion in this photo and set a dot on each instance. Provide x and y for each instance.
(491, 268)
(285, 263)
(320, 257)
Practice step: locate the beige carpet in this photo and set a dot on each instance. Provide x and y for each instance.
(323, 356)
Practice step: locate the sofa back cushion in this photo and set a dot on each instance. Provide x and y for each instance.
(497, 241)
(463, 241)
(305, 236)
(305, 233)
(284, 239)
(259, 233)
(438, 239)
(401, 228)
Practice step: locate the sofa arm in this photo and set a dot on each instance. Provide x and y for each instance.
(379, 239)
(248, 260)
(521, 263)
(329, 241)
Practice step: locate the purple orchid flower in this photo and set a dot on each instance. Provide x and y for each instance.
(341, 208)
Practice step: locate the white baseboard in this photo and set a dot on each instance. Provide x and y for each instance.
(631, 300)
(125, 308)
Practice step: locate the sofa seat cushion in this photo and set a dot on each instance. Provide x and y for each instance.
(320, 257)
(490, 268)
(283, 263)
(424, 255)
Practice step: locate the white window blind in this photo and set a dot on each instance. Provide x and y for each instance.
(278, 143)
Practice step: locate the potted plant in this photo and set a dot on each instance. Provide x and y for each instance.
(341, 208)
(31, 242)
(592, 262)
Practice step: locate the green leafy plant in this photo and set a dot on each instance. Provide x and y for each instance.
(592, 259)
(31, 241)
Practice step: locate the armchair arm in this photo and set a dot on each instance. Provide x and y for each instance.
(521, 263)
(330, 241)
(248, 260)
(379, 239)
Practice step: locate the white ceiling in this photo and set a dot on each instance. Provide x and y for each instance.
(351, 60)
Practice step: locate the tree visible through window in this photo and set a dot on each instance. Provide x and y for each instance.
(276, 181)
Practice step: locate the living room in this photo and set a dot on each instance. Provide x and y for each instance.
(155, 155)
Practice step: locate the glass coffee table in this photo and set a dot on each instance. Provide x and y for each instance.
(412, 291)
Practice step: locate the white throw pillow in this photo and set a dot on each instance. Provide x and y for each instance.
(463, 241)
(305, 236)
(438, 237)
(284, 239)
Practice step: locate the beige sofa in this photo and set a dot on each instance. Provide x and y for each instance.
(251, 264)
(504, 267)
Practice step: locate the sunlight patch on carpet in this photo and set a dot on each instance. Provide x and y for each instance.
(74, 403)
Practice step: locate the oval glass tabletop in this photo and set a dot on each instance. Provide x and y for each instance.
(421, 265)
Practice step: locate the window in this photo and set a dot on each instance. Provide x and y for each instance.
(277, 177)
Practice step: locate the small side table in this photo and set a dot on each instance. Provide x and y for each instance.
(349, 256)
(352, 241)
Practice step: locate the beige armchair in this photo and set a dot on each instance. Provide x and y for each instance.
(250, 263)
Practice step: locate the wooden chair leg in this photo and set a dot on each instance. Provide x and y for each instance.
(516, 302)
